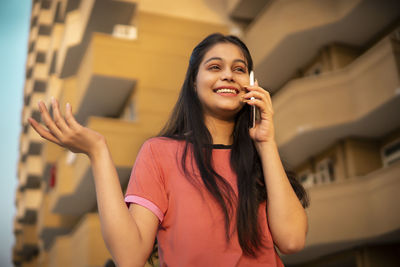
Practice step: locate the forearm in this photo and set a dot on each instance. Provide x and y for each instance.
(286, 216)
(119, 229)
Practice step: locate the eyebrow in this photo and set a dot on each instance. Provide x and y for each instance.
(218, 58)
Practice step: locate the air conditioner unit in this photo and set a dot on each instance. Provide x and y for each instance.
(390, 153)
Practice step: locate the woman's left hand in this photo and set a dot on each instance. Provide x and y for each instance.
(263, 132)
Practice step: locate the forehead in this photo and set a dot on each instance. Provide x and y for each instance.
(225, 51)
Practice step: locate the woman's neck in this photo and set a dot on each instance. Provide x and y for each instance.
(220, 130)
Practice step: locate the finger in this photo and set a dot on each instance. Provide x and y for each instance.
(43, 132)
(255, 94)
(48, 121)
(261, 90)
(58, 119)
(257, 88)
(261, 104)
(70, 118)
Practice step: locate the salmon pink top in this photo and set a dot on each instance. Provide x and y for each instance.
(192, 229)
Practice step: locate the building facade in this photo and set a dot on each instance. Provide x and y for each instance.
(332, 68)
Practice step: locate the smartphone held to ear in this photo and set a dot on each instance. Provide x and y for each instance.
(254, 112)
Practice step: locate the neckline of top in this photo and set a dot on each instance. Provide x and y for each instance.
(221, 146)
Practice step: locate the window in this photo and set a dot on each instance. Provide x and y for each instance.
(307, 178)
(391, 153)
(325, 171)
(125, 32)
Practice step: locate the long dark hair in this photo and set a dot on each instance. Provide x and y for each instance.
(187, 123)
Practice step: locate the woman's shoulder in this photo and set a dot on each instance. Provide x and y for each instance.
(161, 143)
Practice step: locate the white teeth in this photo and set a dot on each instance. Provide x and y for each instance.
(226, 90)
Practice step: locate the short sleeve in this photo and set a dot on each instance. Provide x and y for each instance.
(146, 185)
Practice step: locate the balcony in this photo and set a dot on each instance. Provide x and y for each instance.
(74, 191)
(82, 22)
(16, 257)
(35, 9)
(46, 16)
(119, 64)
(358, 100)
(88, 243)
(29, 242)
(83, 247)
(30, 61)
(40, 72)
(242, 11)
(31, 173)
(17, 226)
(30, 143)
(54, 46)
(29, 83)
(50, 225)
(96, 94)
(34, 34)
(43, 260)
(362, 210)
(283, 41)
(60, 253)
(42, 43)
(29, 205)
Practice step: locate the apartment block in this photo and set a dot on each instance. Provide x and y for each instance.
(332, 68)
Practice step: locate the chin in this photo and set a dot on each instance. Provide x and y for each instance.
(228, 112)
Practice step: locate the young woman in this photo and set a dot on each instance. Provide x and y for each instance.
(213, 190)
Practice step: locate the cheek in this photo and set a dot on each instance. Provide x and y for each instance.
(243, 80)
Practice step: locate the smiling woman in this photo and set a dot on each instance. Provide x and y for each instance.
(221, 81)
(212, 190)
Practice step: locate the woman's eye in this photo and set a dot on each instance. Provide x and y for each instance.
(240, 69)
(214, 67)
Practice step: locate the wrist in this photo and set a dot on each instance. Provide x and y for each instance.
(98, 149)
(267, 146)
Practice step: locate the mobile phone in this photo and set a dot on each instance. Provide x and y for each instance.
(253, 111)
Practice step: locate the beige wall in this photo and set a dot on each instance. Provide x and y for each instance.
(362, 156)
(193, 10)
(330, 58)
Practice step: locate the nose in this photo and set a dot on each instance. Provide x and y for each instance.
(227, 75)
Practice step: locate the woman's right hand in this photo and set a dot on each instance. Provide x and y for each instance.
(67, 132)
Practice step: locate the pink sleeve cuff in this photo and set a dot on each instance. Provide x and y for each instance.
(147, 204)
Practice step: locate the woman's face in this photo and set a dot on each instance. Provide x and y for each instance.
(221, 79)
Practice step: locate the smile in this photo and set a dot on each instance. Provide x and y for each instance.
(225, 90)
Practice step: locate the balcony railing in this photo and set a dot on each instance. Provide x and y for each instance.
(50, 225)
(350, 213)
(282, 41)
(60, 253)
(83, 247)
(360, 100)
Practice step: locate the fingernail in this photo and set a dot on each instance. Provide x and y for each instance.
(53, 101)
(68, 105)
(38, 103)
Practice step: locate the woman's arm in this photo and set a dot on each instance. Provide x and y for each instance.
(286, 216)
(128, 234)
